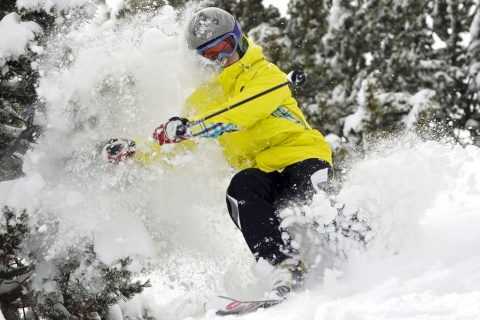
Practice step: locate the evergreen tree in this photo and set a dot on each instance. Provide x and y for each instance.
(374, 59)
(331, 68)
(15, 267)
(78, 284)
(18, 98)
(455, 79)
(250, 13)
(86, 287)
(275, 43)
(473, 56)
(271, 34)
(373, 37)
(399, 52)
(306, 27)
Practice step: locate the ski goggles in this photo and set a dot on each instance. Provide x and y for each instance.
(220, 48)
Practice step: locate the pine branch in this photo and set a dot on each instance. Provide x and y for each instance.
(8, 275)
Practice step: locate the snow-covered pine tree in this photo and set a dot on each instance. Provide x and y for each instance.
(455, 24)
(473, 121)
(15, 267)
(388, 43)
(271, 34)
(84, 287)
(75, 285)
(18, 79)
(400, 44)
(307, 25)
(250, 13)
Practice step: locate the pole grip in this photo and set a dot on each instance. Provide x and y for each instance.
(297, 77)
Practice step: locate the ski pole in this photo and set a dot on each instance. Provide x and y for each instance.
(296, 77)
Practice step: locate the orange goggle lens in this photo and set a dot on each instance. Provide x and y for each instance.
(220, 48)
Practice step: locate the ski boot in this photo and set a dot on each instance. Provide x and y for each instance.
(288, 276)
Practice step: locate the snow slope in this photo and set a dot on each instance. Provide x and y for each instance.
(103, 79)
(426, 262)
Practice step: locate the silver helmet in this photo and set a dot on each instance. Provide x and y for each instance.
(209, 24)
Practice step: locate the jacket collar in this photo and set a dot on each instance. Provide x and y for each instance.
(251, 56)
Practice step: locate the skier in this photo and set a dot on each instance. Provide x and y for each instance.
(280, 158)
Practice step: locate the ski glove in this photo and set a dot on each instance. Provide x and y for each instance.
(174, 131)
(117, 150)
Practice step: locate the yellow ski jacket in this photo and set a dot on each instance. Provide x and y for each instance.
(269, 132)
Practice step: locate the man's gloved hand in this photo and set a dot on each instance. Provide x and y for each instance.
(171, 132)
(117, 150)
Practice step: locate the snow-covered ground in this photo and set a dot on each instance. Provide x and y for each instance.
(426, 264)
(101, 80)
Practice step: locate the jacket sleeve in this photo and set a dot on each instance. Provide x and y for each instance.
(151, 153)
(212, 129)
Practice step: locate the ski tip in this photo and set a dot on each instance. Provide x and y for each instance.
(227, 306)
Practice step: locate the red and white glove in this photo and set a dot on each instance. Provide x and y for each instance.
(173, 131)
(117, 150)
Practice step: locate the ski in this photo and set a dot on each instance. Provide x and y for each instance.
(224, 306)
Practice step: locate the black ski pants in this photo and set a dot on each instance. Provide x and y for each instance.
(254, 198)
